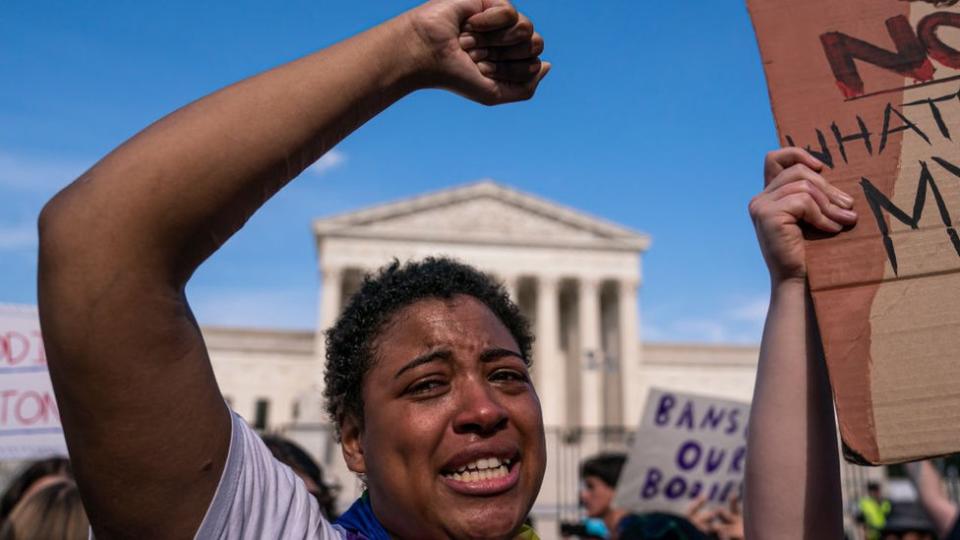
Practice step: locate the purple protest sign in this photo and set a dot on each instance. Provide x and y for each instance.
(687, 446)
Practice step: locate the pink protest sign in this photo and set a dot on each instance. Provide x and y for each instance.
(29, 419)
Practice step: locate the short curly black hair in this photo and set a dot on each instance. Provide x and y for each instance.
(606, 467)
(350, 342)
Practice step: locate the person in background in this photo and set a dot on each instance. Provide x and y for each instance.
(873, 511)
(932, 497)
(907, 521)
(657, 526)
(50, 511)
(598, 476)
(295, 457)
(27, 479)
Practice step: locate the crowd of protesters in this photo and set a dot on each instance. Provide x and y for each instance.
(42, 502)
(427, 374)
(932, 514)
(599, 476)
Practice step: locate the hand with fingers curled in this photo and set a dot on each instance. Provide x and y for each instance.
(484, 50)
(699, 515)
(721, 523)
(796, 194)
(728, 524)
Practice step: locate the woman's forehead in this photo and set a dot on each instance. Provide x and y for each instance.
(439, 316)
(460, 321)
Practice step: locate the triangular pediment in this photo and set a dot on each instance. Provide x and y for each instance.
(479, 217)
(482, 212)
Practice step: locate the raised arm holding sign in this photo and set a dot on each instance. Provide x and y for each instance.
(870, 88)
(145, 423)
(792, 476)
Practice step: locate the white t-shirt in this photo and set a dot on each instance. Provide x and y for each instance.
(258, 497)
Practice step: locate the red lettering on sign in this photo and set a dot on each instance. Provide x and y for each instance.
(936, 48)
(50, 405)
(4, 405)
(27, 408)
(41, 357)
(15, 348)
(30, 408)
(22, 349)
(909, 57)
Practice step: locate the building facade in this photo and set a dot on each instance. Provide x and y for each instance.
(576, 277)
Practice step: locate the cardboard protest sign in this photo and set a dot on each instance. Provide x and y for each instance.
(872, 89)
(29, 419)
(687, 446)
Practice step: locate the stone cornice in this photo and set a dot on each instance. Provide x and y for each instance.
(443, 237)
(607, 235)
(700, 354)
(300, 343)
(292, 342)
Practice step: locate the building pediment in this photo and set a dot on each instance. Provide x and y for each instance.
(483, 212)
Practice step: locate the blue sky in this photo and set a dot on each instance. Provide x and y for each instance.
(657, 120)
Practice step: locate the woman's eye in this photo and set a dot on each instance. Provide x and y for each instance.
(425, 387)
(509, 375)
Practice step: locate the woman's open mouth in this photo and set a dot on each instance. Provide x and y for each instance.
(484, 476)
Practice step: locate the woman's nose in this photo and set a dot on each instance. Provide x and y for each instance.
(480, 409)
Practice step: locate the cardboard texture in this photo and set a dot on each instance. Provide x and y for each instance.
(686, 446)
(872, 88)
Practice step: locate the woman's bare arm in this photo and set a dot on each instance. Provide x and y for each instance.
(792, 475)
(145, 423)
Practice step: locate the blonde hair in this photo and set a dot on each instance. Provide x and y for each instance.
(53, 511)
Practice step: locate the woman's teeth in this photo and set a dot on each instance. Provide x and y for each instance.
(481, 469)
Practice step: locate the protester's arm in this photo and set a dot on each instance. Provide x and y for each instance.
(145, 423)
(792, 475)
(941, 510)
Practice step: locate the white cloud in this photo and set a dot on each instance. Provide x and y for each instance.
(255, 308)
(48, 174)
(38, 174)
(652, 332)
(19, 236)
(26, 181)
(714, 331)
(741, 322)
(331, 160)
(752, 310)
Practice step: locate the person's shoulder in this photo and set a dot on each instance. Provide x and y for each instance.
(657, 526)
(259, 497)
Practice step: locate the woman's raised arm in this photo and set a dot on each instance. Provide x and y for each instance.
(145, 423)
(792, 474)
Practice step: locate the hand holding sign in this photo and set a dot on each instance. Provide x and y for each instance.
(795, 191)
(700, 516)
(870, 88)
(722, 523)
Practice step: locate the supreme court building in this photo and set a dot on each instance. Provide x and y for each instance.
(576, 277)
